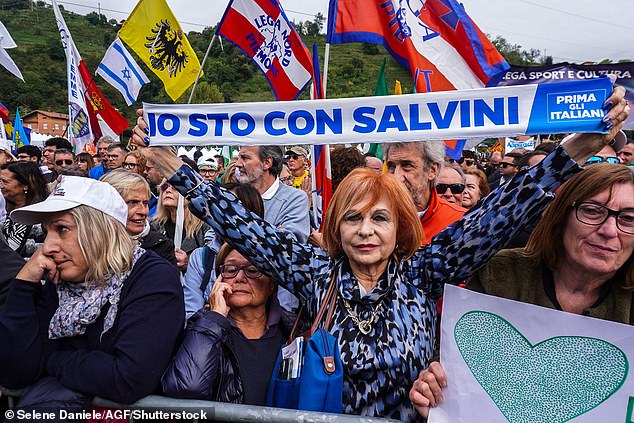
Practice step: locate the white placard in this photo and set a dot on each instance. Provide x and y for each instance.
(508, 361)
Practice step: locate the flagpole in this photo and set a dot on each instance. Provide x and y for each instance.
(325, 77)
(191, 95)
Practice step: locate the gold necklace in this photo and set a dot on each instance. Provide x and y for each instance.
(365, 326)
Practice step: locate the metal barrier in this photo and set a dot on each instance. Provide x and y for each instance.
(225, 412)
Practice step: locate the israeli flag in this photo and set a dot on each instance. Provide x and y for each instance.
(122, 72)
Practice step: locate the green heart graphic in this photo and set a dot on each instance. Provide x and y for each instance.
(553, 381)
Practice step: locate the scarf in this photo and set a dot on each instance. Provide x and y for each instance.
(80, 304)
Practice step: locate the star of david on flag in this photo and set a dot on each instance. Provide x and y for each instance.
(122, 72)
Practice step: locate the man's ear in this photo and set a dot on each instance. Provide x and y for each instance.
(267, 163)
(433, 172)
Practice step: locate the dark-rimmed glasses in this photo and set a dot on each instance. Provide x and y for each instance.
(505, 165)
(66, 162)
(128, 165)
(469, 162)
(232, 270)
(596, 214)
(455, 188)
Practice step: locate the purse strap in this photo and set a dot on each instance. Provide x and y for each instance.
(329, 301)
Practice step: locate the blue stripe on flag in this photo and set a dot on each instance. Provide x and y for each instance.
(130, 64)
(118, 80)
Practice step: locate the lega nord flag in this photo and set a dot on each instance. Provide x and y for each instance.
(100, 110)
(262, 30)
(435, 39)
(79, 128)
(156, 37)
(122, 72)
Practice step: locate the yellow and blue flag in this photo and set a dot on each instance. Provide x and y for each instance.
(156, 37)
(19, 135)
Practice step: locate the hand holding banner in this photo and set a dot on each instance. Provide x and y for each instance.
(492, 112)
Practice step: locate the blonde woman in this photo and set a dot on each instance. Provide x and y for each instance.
(84, 331)
(164, 221)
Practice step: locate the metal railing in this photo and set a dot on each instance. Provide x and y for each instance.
(225, 412)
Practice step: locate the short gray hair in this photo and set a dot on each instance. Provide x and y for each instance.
(430, 151)
(276, 153)
(106, 139)
(458, 169)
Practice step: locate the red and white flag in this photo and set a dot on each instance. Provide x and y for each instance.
(262, 30)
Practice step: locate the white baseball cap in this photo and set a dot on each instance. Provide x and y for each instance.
(73, 191)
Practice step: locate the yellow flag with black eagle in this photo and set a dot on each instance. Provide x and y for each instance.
(156, 37)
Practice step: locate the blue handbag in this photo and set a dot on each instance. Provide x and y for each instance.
(319, 386)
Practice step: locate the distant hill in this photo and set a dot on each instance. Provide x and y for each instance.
(230, 76)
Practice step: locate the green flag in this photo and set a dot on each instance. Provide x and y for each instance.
(381, 89)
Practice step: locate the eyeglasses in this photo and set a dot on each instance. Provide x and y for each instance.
(599, 159)
(293, 156)
(207, 171)
(112, 156)
(129, 165)
(231, 271)
(455, 188)
(469, 162)
(165, 187)
(505, 165)
(23, 157)
(64, 162)
(596, 214)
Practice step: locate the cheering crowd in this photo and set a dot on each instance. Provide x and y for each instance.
(96, 299)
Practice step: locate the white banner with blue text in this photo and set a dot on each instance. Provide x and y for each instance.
(564, 107)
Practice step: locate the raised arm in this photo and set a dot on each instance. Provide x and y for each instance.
(461, 249)
(275, 252)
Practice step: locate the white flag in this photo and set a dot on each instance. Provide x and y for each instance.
(122, 72)
(5, 60)
(79, 130)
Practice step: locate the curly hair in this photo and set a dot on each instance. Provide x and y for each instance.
(342, 161)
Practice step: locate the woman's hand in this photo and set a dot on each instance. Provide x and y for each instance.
(427, 389)
(182, 259)
(217, 297)
(37, 268)
(580, 147)
(163, 158)
(316, 238)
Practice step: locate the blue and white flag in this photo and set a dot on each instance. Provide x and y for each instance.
(122, 72)
(561, 107)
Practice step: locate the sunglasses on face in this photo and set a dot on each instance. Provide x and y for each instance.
(599, 159)
(129, 165)
(469, 162)
(165, 187)
(455, 188)
(293, 156)
(23, 156)
(505, 165)
(63, 162)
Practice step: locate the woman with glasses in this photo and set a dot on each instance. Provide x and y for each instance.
(578, 259)
(135, 162)
(231, 345)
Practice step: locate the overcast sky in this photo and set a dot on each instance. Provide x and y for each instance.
(568, 30)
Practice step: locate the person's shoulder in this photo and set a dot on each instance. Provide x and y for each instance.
(151, 264)
(451, 208)
(293, 194)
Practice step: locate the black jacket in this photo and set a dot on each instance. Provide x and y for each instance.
(205, 366)
(10, 265)
(160, 244)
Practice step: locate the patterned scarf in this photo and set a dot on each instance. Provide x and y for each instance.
(80, 304)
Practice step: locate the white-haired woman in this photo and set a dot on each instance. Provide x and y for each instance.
(91, 312)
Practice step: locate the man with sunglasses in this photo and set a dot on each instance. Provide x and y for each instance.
(509, 167)
(451, 183)
(608, 154)
(63, 158)
(297, 160)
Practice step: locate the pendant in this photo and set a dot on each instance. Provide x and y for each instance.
(365, 327)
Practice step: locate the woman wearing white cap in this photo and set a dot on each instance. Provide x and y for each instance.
(91, 312)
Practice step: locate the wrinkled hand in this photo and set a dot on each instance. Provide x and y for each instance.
(182, 260)
(163, 158)
(217, 297)
(38, 267)
(427, 389)
(618, 111)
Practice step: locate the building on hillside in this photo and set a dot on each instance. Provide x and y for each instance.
(46, 122)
